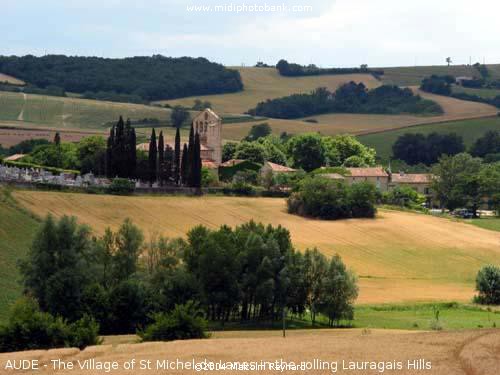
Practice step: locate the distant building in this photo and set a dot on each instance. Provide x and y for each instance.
(14, 157)
(209, 126)
(376, 175)
(460, 80)
(274, 168)
(420, 182)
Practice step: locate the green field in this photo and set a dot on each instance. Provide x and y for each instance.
(57, 112)
(483, 93)
(413, 75)
(470, 130)
(17, 229)
(490, 223)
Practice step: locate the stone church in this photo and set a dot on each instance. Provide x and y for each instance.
(208, 125)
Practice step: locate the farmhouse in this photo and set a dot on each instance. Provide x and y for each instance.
(418, 181)
(274, 169)
(376, 175)
(208, 125)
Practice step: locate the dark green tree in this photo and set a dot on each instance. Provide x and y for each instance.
(177, 157)
(57, 139)
(110, 172)
(185, 165)
(178, 116)
(153, 158)
(161, 159)
(197, 164)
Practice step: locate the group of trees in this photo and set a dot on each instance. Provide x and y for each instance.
(124, 284)
(307, 151)
(417, 148)
(121, 152)
(130, 79)
(293, 70)
(167, 165)
(323, 198)
(442, 85)
(465, 181)
(349, 98)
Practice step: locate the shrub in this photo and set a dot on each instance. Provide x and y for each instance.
(121, 186)
(330, 200)
(488, 285)
(403, 196)
(28, 328)
(182, 323)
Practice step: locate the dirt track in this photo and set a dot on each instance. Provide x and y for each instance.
(449, 353)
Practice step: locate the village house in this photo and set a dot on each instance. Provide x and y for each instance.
(420, 182)
(274, 169)
(376, 175)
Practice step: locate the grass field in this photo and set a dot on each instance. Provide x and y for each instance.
(484, 93)
(17, 229)
(10, 136)
(490, 223)
(413, 75)
(473, 352)
(399, 256)
(57, 112)
(470, 130)
(266, 83)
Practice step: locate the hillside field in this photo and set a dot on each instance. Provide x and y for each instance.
(57, 112)
(399, 256)
(4, 78)
(357, 124)
(266, 83)
(413, 75)
(17, 229)
(470, 130)
(473, 352)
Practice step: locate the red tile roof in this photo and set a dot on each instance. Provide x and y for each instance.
(208, 164)
(368, 172)
(411, 178)
(279, 168)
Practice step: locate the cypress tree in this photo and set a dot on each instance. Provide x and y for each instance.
(57, 139)
(197, 165)
(109, 153)
(191, 157)
(168, 163)
(119, 161)
(185, 165)
(161, 158)
(153, 154)
(133, 153)
(177, 156)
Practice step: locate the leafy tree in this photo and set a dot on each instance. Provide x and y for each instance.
(440, 85)
(26, 146)
(182, 323)
(251, 151)
(342, 147)
(457, 182)
(488, 285)
(489, 143)
(448, 61)
(316, 267)
(228, 151)
(258, 131)
(179, 116)
(57, 139)
(92, 154)
(418, 148)
(129, 240)
(56, 271)
(306, 151)
(63, 156)
(340, 292)
(403, 196)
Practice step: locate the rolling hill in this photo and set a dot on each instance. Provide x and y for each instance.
(399, 256)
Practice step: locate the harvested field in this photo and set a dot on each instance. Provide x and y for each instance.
(399, 256)
(266, 83)
(358, 124)
(449, 353)
(12, 136)
(4, 78)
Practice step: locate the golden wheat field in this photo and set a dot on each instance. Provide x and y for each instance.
(399, 256)
(447, 353)
(10, 136)
(266, 83)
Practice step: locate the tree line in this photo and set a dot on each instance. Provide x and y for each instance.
(295, 70)
(349, 98)
(119, 281)
(147, 78)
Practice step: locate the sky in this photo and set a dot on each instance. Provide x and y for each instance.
(329, 33)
